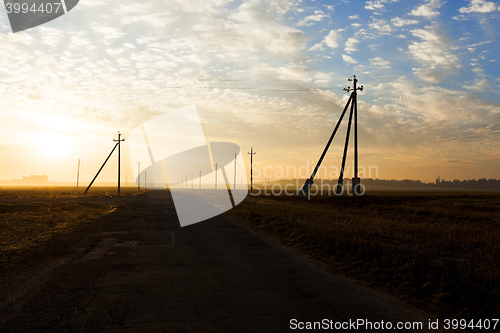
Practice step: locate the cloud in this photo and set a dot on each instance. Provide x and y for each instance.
(94, 3)
(399, 22)
(108, 33)
(460, 18)
(472, 47)
(350, 45)
(434, 53)
(377, 4)
(429, 116)
(374, 5)
(349, 59)
(51, 36)
(479, 6)
(309, 20)
(379, 63)
(380, 25)
(156, 20)
(331, 40)
(428, 9)
(79, 40)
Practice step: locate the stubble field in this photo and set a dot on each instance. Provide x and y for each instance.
(32, 216)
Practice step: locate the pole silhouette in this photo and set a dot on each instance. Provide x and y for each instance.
(353, 113)
(119, 141)
(216, 176)
(78, 173)
(102, 166)
(251, 168)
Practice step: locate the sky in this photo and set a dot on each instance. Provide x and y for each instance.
(267, 74)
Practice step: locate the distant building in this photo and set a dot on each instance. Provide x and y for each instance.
(31, 180)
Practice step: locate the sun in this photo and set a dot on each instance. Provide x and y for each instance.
(53, 145)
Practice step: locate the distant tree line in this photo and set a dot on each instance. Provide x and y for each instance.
(476, 184)
(483, 184)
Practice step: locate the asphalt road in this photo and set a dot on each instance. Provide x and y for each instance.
(137, 270)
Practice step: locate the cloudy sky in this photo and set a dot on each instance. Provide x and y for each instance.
(262, 73)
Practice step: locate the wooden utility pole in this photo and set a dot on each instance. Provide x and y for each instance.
(216, 176)
(119, 141)
(78, 173)
(251, 168)
(353, 112)
(138, 176)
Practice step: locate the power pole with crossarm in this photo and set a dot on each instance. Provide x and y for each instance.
(119, 141)
(353, 102)
(251, 168)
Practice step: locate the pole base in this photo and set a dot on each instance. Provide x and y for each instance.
(306, 187)
(340, 187)
(356, 186)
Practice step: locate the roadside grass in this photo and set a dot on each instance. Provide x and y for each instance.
(26, 225)
(439, 250)
(63, 192)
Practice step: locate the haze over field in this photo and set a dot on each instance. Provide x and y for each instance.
(262, 73)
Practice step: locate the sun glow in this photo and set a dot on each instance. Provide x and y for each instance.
(54, 145)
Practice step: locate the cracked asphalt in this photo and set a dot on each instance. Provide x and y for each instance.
(137, 270)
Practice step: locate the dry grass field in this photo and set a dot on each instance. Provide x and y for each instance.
(28, 220)
(43, 192)
(439, 250)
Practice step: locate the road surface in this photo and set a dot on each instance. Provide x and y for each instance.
(136, 270)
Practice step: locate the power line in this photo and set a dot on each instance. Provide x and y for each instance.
(303, 121)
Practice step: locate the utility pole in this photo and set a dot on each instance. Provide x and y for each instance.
(251, 168)
(216, 176)
(119, 141)
(356, 181)
(139, 176)
(354, 111)
(234, 186)
(78, 173)
(200, 179)
(341, 177)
